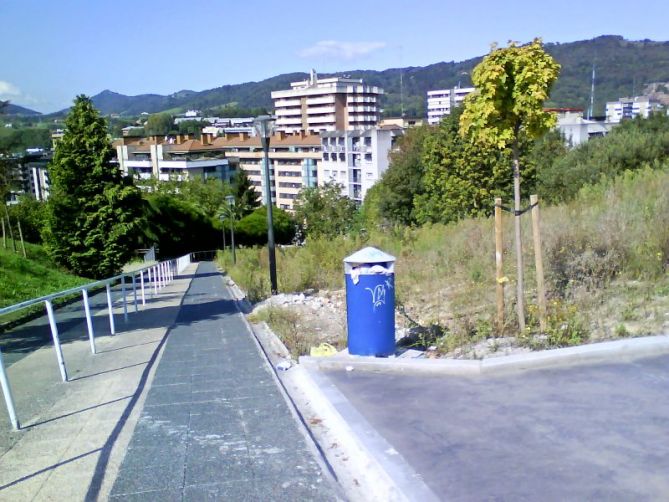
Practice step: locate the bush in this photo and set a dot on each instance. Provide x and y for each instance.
(179, 228)
(251, 230)
(629, 146)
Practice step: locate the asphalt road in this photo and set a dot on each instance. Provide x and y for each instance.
(593, 432)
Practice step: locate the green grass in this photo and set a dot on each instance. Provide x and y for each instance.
(25, 278)
(606, 257)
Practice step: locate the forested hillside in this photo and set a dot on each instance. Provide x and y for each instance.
(623, 68)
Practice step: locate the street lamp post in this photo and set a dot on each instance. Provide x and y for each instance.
(264, 125)
(231, 205)
(222, 218)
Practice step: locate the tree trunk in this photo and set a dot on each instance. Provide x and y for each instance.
(4, 235)
(9, 223)
(23, 246)
(520, 304)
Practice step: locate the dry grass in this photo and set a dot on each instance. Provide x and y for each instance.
(606, 257)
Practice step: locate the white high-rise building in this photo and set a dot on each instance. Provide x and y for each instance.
(627, 108)
(440, 102)
(354, 159)
(328, 104)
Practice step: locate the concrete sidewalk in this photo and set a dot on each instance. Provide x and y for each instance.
(212, 421)
(215, 425)
(73, 434)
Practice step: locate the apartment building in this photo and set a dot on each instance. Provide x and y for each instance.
(28, 175)
(173, 158)
(441, 102)
(575, 129)
(293, 158)
(355, 159)
(628, 108)
(328, 104)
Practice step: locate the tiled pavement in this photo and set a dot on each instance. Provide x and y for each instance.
(215, 425)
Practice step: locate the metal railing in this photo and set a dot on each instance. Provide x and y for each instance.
(157, 277)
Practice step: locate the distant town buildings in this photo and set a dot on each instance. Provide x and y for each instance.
(29, 175)
(401, 122)
(441, 102)
(575, 129)
(329, 104)
(293, 163)
(172, 158)
(293, 160)
(354, 159)
(627, 108)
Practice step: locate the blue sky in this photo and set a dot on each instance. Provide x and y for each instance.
(54, 50)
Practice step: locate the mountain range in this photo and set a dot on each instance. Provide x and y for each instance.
(623, 68)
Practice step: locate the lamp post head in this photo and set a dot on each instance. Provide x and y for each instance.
(264, 125)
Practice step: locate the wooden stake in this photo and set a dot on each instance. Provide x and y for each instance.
(21, 237)
(499, 271)
(520, 300)
(539, 263)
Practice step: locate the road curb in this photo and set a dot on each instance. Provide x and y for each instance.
(603, 352)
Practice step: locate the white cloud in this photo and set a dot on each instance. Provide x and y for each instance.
(9, 91)
(340, 50)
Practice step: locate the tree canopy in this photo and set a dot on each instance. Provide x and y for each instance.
(324, 211)
(512, 85)
(94, 215)
(461, 178)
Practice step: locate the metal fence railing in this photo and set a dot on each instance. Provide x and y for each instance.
(153, 277)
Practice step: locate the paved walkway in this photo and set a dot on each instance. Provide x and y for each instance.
(214, 424)
(586, 432)
(179, 405)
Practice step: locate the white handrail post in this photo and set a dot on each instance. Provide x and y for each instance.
(155, 281)
(110, 307)
(141, 286)
(134, 292)
(7, 392)
(125, 303)
(172, 266)
(56, 339)
(89, 321)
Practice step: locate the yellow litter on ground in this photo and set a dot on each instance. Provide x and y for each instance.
(323, 350)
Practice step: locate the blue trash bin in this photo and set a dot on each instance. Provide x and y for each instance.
(370, 302)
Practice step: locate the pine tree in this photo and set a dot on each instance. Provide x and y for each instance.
(246, 197)
(94, 215)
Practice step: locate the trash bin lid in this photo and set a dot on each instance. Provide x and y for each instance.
(369, 256)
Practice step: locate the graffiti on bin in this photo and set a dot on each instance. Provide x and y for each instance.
(378, 295)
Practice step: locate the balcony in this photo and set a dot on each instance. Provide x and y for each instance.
(362, 109)
(321, 100)
(322, 119)
(289, 121)
(284, 103)
(321, 109)
(359, 99)
(137, 163)
(288, 112)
